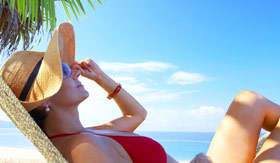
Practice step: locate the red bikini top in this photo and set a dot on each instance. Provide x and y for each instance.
(141, 149)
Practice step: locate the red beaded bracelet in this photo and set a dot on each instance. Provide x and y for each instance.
(116, 91)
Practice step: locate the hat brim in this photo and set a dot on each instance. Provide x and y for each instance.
(49, 78)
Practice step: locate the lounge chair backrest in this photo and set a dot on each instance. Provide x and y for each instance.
(24, 122)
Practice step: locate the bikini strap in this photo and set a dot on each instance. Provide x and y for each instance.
(74, 133)
(63, 135)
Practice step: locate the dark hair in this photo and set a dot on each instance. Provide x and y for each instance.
(39, 115)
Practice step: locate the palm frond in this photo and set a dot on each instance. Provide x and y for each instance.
(22, 20)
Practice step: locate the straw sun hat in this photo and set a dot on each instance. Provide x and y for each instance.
(29, 78)
(36, 76)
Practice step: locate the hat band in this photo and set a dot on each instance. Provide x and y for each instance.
(30, 81)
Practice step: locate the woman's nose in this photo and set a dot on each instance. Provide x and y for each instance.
(75, 74)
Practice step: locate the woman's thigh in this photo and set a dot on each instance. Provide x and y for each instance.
(237, 136)
(270, 151)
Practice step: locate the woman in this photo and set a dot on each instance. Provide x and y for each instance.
(50, 90)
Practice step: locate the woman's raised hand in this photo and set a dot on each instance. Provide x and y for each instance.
(89, 69)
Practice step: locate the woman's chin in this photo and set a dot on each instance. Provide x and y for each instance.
(82, 98)
(85, 95)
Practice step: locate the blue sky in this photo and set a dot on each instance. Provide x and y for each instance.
(184, 61)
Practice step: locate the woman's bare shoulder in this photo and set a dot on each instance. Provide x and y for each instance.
(74, 140)
(82, 147)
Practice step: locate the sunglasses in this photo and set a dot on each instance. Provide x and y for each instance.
(66, 71)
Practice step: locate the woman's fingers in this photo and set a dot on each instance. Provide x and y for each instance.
(89, 69)
(80, 65)
(76, 66)
(89, 61)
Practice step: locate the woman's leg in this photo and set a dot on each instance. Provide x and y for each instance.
(237, 136)
(270, 151)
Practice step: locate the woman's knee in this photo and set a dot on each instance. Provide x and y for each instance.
(248, 98)
(247, 104)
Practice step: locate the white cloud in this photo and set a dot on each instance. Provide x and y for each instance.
(150, 66)
(202, 119)
(163, 95)
(184, 78)
(97, 109)
(136, 88)
(127, 79)
(204, 111)
(131, 85)
(93, 88)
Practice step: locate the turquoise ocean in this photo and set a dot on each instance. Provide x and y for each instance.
(183, 146)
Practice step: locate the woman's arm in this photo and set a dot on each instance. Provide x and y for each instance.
(133, 112)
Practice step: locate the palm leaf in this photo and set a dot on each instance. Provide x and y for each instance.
(89, 1)
(81, 6)
(73, 10)
(36, 10)
(52, 13)
(46, 7)
(21, 20)
(24, 16)
(99, 1)
(13, 3)
(66, 9)
(76, 7)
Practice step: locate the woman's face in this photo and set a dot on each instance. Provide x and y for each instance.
(72, 92)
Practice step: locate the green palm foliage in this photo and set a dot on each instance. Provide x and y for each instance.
(22, 20)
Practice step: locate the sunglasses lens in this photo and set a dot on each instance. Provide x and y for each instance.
(65, 70)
